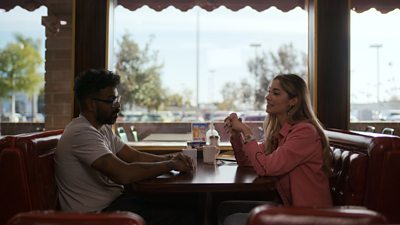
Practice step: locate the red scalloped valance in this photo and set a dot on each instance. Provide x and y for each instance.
(29, 5)
(209, 5)
(383, 6)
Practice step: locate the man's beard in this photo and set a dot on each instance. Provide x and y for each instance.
(102, 118)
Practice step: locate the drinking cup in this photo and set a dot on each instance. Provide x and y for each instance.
(192, 153)
(210, 154)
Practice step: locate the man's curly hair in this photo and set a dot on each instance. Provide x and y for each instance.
(90, 82)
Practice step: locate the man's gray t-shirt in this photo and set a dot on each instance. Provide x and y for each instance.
(82, 188)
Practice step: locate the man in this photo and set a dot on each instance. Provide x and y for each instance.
(92, 164)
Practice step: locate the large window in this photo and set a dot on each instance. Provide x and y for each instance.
(22, 65)
(200, 65)
(375, 66)
(36, 69)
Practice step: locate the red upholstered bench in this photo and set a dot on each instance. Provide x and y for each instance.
(366, 174)
(366, 171)
(275, 215)
(64, 218)
(27, 183)
(26, 176)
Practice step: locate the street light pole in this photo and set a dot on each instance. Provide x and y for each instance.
(255, 46)
(197, 61)
(377, 46)
(211, 86)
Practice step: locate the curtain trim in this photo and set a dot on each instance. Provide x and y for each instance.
(234, 5)
(383, 6)
(29, 5)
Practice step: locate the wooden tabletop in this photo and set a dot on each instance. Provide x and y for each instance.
(169, 146)
(157, 137)
(224, 177)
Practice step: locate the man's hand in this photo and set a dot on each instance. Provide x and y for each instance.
(183, 163)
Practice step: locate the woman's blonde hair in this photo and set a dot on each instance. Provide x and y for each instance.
(295, 86)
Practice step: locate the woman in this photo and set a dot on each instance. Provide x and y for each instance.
(295, 148)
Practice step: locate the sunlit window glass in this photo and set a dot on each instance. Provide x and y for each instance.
(199, 65)
(375, 66)
(22, 65)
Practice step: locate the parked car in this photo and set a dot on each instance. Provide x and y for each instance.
(151, 117)
(15, 118)
(132, 117)
(390, 115)
(253, 116)
(192, 117)
(393, 118)
(219, 115)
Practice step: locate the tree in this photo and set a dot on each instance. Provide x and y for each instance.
(175, 100)
(246, 91)
(229, 96)
(288, 60)
(266, 66)
(19, 68)
(236, 96)
(140, 74)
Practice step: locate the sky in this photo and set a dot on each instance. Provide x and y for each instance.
(225, 44)
(373, 28)
(225, 39)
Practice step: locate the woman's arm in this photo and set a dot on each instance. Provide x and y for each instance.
(240, 155)
(238, 130)
(300, 145)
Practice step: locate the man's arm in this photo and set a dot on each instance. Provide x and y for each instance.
(122, 172)
(129, 154)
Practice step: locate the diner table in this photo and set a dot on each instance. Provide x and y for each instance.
(164, 147)
(210, 180)
(154, 137)
(225, 176)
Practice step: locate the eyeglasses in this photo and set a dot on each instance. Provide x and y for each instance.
(114, 101)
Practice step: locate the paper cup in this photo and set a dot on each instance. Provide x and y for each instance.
(192, 153)
(210, 154)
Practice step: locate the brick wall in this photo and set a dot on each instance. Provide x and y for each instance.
(59, 64)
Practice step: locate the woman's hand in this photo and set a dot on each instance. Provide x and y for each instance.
(233, 125)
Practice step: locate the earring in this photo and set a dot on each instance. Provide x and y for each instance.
(290, 108)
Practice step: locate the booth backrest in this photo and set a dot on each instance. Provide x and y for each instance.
(27, 173)
(13, 184)
(74, 218)
(350, 164)
(366, 171)
(275, 215)
(4, 142)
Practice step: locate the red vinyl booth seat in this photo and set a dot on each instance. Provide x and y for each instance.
(366, 171)
(26, 173)
(27, 183)
(63, 218)
(275, 215)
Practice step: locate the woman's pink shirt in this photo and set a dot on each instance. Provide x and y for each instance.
(297, 162)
